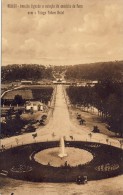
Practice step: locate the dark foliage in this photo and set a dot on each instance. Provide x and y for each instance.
(96, 71)
(43, 94)
(12, 125)
(33, 72)
(107, 97)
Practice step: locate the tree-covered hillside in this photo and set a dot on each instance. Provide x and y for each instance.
(27, 72)
(96, 71)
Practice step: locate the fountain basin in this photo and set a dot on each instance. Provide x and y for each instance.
(75, 156)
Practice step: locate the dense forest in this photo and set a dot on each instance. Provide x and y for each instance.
(18, 72)
(96, 71)
(107, 97)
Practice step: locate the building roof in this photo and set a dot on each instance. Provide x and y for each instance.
(34, 102)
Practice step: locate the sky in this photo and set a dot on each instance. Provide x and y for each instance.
(88, 34)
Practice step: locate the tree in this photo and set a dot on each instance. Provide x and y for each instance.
(18, 99)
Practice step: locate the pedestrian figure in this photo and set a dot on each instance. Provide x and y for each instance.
(53, 134)
(48, 163)
(71, 137)
(65, 164)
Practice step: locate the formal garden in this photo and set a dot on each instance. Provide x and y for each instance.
(23, 165)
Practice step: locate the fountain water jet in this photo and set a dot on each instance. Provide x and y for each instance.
(62, 148)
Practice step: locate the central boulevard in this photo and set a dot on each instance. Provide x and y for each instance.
(59, 125)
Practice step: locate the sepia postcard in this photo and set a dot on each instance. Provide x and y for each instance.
(61, 97)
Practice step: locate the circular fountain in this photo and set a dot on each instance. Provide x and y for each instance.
(60, 156)
(83, 158)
